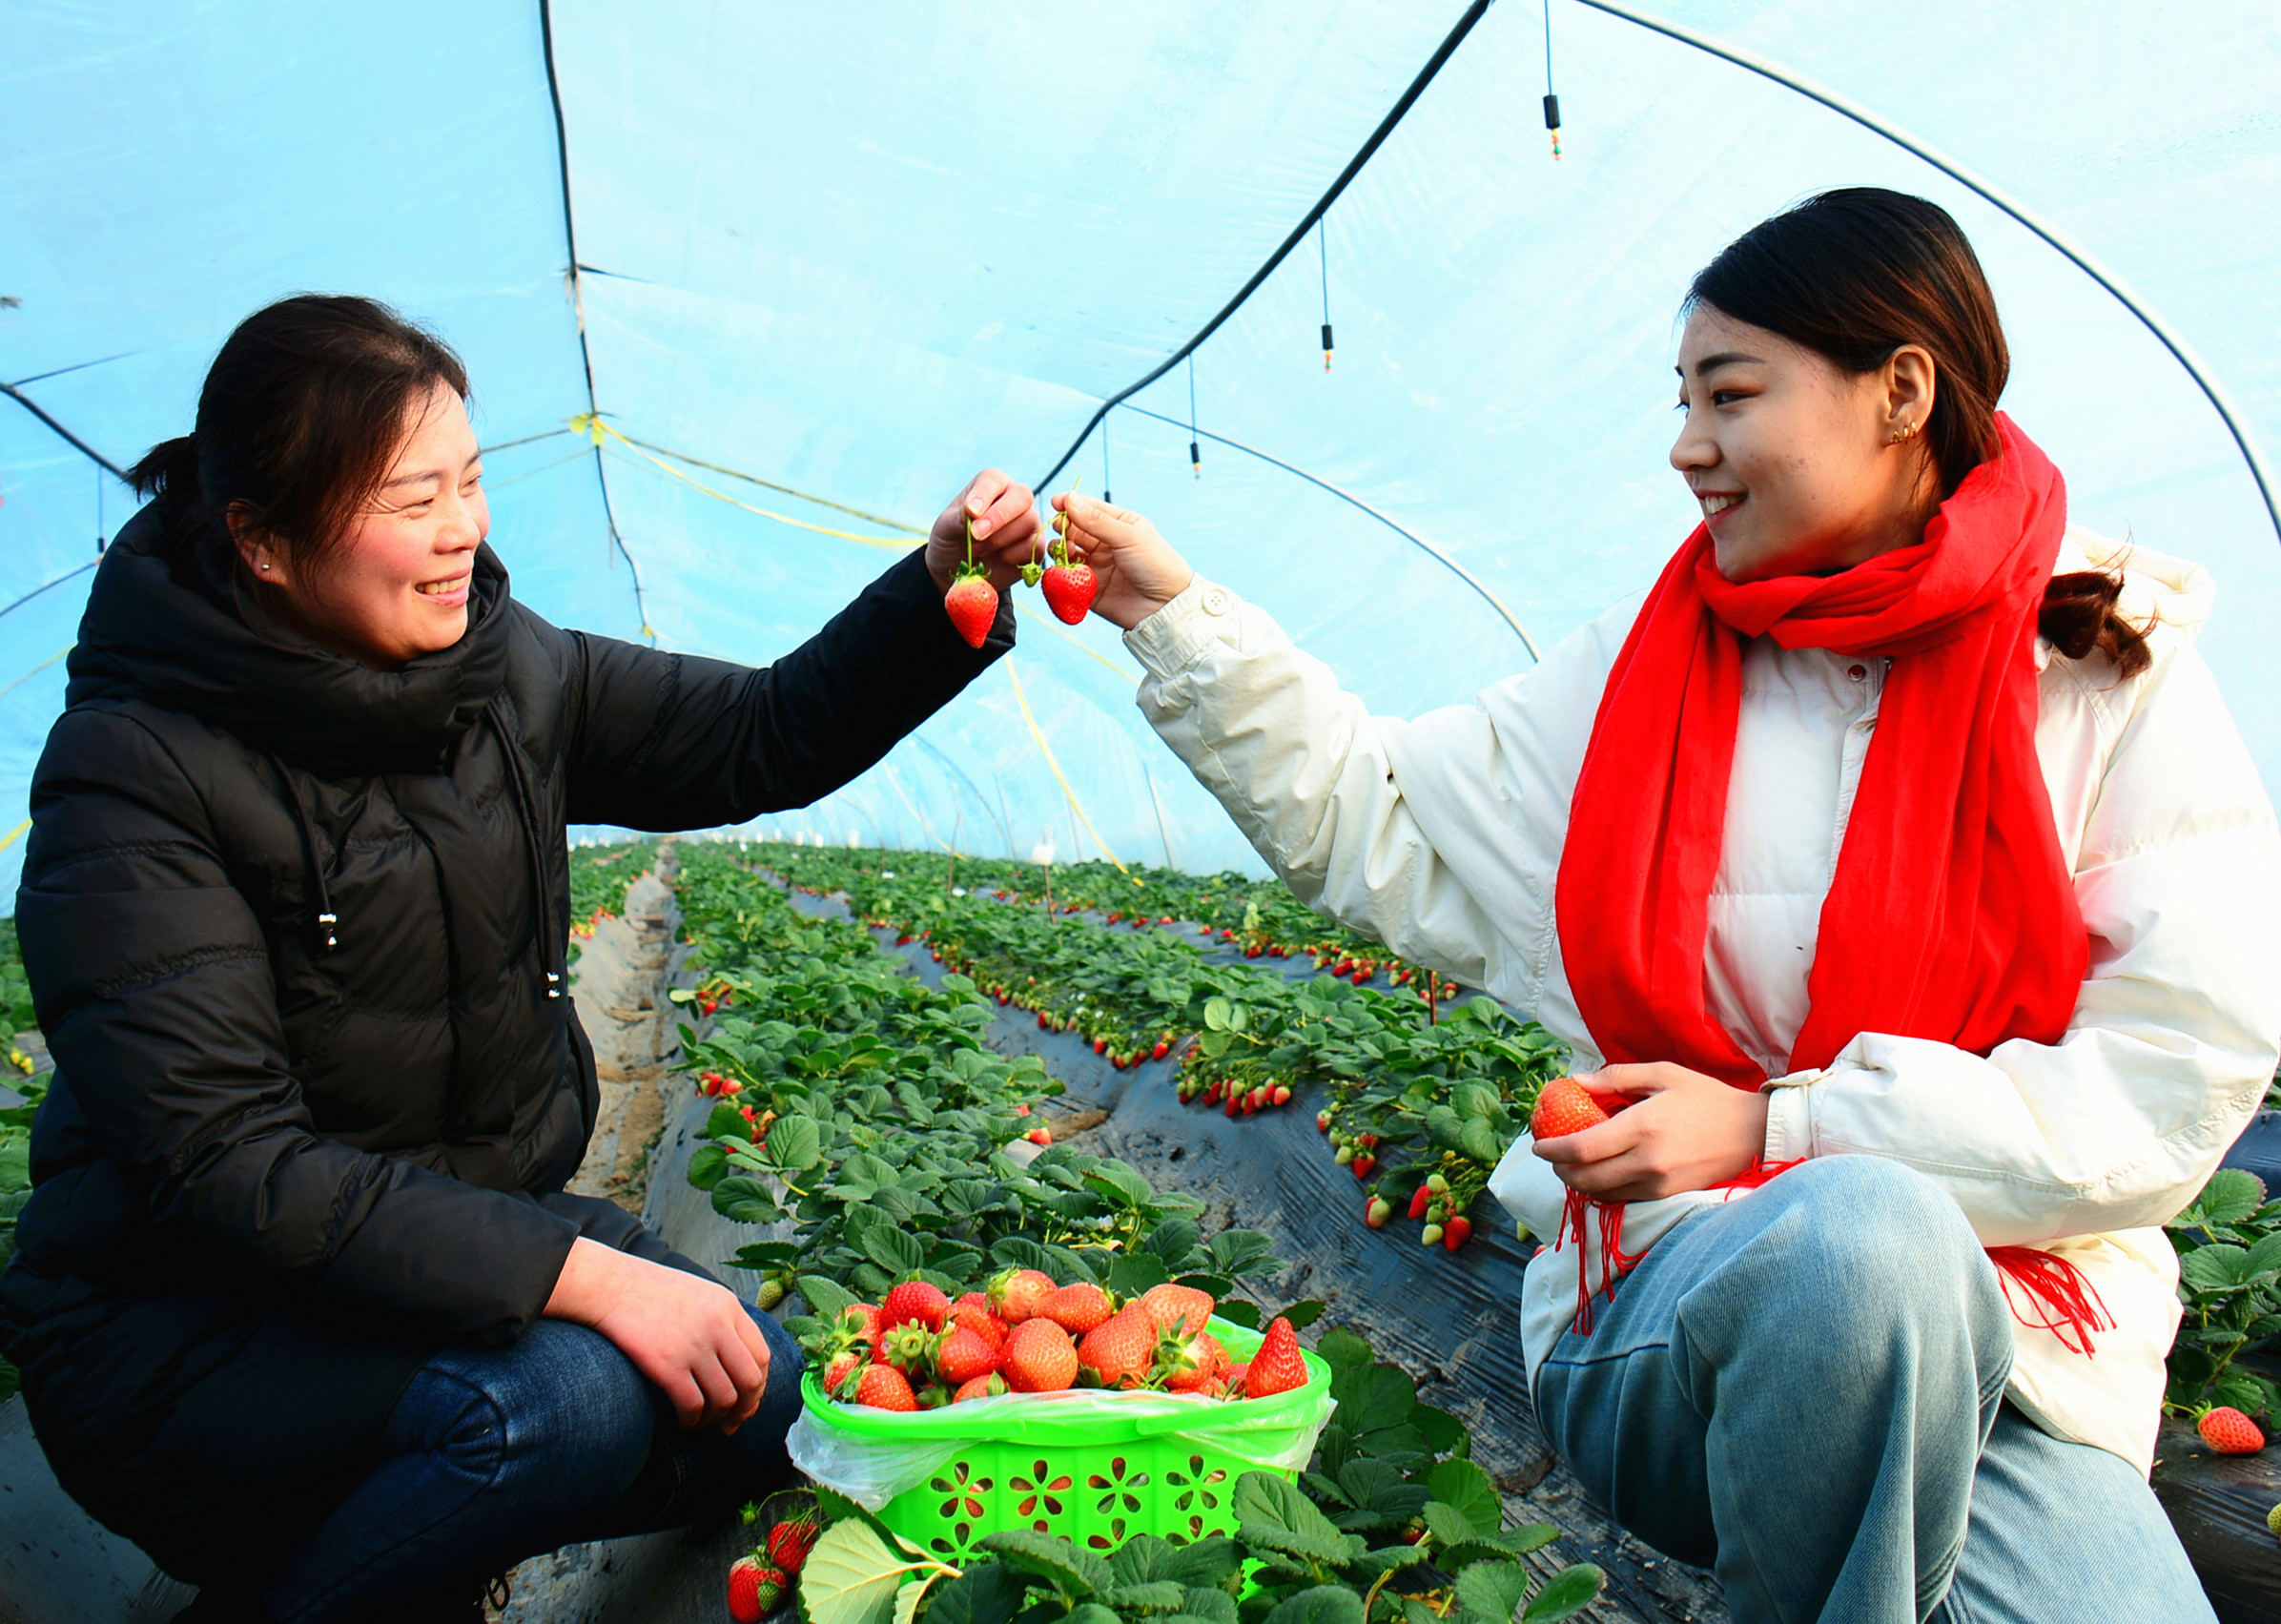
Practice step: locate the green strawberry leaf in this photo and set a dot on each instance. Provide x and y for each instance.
(1077, 1574)
(1323, 1604)
(988, 1593)
(852, 1576)
(1566, 1594)
(1463, 1485)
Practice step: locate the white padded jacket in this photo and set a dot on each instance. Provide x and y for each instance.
(1442, 838)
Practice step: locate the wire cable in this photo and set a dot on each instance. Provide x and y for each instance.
(44, 585)
(578, 306)
(78, 444)
(1473, 13)
(2080, 257)
(1400, 529)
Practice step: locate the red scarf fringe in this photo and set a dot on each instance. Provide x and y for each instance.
(2069, 1305)
(2065, 1302)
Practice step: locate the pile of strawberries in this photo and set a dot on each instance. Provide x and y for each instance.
(1025, 1334)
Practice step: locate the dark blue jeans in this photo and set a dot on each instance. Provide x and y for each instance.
(495, 1454)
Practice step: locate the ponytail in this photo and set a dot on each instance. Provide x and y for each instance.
(168, 471)
(2079, 615)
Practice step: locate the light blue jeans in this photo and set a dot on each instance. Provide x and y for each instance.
(1803, 1390)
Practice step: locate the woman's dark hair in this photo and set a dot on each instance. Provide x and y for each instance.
(301, 412)
(1854, 274)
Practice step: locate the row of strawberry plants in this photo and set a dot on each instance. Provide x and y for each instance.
(867, 1108)
(599, 878)
(1260, 916)
(1421, 1109)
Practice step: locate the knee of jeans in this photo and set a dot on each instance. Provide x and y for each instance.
(564, 1393)
(1871, 1232)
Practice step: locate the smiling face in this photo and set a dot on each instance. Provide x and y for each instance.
(1801, 468)
(396, 585)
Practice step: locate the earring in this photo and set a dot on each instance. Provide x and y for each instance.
(1909, 432)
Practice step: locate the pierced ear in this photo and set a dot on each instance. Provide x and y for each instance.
(258, 557)
(1911, 385)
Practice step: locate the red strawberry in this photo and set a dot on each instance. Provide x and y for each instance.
(1040, 1136)
(915, 1302)
(1181, 1308)
(1564, 1107)
(1018, 1293)
(1039, 1358)
(792, 1540)
(990, 1385)
(754, 1591)
(963, 1356)
(863, 1321)
(2230, 1432)
(1076, 1308)
(1419, 1201)
(1457, 1232)
(1192, 1363)
(1121, 1349)
(1069, 590)
(972, 604)
(973, 1311)
(842, 1367)
(1277, 1367)
(883, 1387)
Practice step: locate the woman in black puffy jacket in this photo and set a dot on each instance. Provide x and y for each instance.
(300, 1303)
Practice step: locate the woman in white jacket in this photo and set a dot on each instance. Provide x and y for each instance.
(1896, 859)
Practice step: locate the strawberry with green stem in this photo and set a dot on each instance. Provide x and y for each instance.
(971, 603)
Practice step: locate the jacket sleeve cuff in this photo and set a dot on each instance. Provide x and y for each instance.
(1790, 1115)
(1176, 635)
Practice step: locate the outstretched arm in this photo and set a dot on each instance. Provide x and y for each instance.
(675, 741)
(1320, 786)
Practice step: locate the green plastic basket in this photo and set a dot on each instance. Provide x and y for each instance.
(1096, 1480)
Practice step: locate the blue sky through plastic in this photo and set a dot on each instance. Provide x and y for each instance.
(860, 252)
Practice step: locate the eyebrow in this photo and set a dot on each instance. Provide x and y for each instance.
(1710, 364)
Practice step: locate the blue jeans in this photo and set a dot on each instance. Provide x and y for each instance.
(495, 1454)
(1804, 1390)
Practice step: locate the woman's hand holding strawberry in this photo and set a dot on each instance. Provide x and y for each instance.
(1005, 521)
(1137, 571)
(1683, 1131)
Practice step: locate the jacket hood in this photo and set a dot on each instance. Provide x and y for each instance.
(2161, 593)
(167, 623)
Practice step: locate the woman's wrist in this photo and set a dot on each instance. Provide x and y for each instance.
(583, 1289)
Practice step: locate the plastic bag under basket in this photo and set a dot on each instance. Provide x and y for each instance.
(1093, 1467)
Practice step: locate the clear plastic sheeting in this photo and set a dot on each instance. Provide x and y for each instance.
(860, 253)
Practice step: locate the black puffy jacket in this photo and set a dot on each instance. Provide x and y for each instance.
(297, 934)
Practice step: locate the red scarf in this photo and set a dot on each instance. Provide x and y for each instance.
(1952, 915)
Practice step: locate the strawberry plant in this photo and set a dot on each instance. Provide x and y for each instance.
(2229, 1245)
(15, 1180)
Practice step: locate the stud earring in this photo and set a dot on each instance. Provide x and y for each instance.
(1908, 432)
